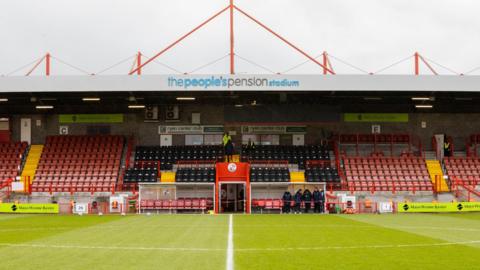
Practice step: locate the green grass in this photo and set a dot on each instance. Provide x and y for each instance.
(409, 241)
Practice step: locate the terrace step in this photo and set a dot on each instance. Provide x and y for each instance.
(436, 174)
(167, 177)
(31, 164)
(297, 177)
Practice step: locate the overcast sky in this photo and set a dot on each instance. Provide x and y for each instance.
(371, 34)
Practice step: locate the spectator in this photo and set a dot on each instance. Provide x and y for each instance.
(316, 201)
(307, 198)
(229, 151)
(226, 138)
(322, 201)
(447, 147)
(250, 146)
(298, 201)
(287, 200)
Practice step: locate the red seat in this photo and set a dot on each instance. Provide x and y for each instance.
(203, 204)
(261, 203)
(268, 204)
(180, 204)
(277, 204)
(150, 204)
(188, 204)
(195, 204)
(158, 204)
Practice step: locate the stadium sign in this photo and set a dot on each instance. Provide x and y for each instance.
(80, 208)
(232, 167)
(90, 118)
(192, 129)
(438, 207)
(29, 208)
(240, 82)
(274, 129)
(385, 207)
(228, 82)
(376, 117)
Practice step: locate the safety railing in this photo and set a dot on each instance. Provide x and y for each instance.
(73, 189)
(380, 139)
(394, 188)
(465, 188)
(6, 184)
(193, 163)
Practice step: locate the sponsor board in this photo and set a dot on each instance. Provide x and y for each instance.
(376, 117)
(274, 129)
(90, 118)
(349, 201)
(118, 203)
(29, 208)
(81, 208)
(190, 129)
(239, 82)
(438, 207)
(232, 82)
(385, 207)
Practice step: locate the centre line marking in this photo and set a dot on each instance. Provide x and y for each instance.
(230, 244)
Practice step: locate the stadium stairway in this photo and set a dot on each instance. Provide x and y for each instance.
(435, 169)
(31, 164)
(297, 177)
(235, 158)
(167, 177)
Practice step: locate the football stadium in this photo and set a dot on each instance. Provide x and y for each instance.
(181, 156)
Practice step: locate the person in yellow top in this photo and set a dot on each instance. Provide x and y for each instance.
(226, 147)
(226, 138)
(447, 149)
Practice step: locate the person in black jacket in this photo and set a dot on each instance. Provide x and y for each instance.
(287, 200)
(322, 201)
(298, 201)
(307, 198)
(316, 201)
(250, 148)
(229, 150)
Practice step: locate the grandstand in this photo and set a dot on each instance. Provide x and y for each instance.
(238, 170)
(370, 166)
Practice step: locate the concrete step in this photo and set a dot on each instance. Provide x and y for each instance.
(31, 162)
(436, 174)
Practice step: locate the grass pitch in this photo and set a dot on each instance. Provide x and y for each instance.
(408, 241)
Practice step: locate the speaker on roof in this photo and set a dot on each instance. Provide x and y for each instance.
(151, 112)
(172, 113)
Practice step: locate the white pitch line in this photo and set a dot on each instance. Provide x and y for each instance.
(111, 247)
(230, 244)
(230, 254)
(361, 247)
(249, 226)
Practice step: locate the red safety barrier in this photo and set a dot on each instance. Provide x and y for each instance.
(468, 187)
(8, 185)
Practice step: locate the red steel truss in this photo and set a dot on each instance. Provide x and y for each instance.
(232, 7)
(322, 60)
